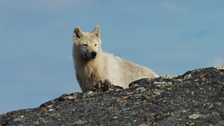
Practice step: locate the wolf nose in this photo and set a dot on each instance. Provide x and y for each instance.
(93, 54)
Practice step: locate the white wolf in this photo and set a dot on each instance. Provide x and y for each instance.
(93, 64)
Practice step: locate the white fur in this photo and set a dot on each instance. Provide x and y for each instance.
(104, 66)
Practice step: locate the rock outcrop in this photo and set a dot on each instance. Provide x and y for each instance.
(195, 98)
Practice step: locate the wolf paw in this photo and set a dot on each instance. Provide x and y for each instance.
(105, 85)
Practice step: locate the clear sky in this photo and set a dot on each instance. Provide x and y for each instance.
(169, 36)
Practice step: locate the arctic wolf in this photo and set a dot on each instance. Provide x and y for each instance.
(93, 65)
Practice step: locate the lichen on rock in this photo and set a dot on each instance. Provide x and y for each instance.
(194, 98)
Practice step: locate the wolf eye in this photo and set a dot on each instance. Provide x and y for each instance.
(85, 45)
(95, 44)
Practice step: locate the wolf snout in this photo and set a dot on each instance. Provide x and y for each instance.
(93, 54)
(90, 55)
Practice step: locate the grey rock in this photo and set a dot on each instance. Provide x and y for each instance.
(194, 98)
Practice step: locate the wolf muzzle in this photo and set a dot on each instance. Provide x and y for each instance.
(91, 55)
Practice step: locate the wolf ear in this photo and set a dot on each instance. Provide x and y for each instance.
(78, 32)
(96, 31)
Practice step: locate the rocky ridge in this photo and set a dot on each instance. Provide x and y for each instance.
(195, 98)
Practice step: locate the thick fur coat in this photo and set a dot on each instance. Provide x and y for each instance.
(92, 64)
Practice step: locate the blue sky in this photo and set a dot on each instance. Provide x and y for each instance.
(169, 36)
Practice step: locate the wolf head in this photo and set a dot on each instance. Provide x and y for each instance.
(87, 44)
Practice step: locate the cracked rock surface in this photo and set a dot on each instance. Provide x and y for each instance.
(195, 98)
